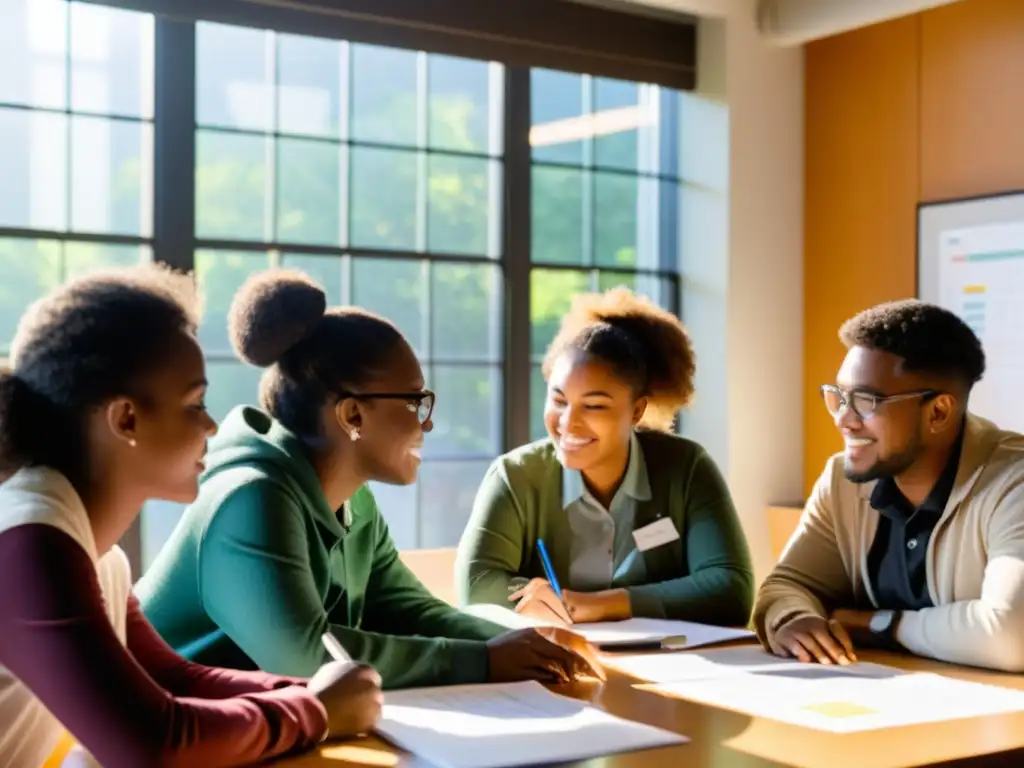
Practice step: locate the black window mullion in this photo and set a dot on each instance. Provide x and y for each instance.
(517, 238)
(174, 217)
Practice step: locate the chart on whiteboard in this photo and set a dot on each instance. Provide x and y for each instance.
(981, 278)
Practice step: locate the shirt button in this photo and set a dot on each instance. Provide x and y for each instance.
(912, 544)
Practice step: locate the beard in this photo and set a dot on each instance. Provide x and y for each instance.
(890, 466)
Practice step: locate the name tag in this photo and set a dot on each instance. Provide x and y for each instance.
(656, 534)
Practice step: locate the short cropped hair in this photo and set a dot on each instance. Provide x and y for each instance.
(929, 338)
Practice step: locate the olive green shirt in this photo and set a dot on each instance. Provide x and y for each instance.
(704, 576)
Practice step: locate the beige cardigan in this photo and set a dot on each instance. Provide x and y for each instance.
(975, 558)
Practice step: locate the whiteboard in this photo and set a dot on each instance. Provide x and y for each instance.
(970, 260)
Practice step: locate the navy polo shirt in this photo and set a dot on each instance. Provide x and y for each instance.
(896, 560)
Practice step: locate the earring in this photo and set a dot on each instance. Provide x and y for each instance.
(132, 442)
(354, 434)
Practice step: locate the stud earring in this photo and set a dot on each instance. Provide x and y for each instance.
(132, 443)
(354, 434)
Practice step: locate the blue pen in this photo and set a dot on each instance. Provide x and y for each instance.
(550, 572)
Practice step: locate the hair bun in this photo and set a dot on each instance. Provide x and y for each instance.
(272, 312)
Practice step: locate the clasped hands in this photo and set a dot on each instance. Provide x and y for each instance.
(826, 641)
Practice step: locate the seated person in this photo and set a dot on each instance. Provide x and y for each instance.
(637, 521)
(913, 537)
(285, 540)
(103, 409)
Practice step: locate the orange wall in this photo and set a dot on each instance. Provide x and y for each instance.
(920, 108)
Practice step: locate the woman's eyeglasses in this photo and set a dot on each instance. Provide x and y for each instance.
(421, 403)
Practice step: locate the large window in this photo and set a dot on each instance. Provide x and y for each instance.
(465, 200)
(378, 172)
(604, 199)
(76, 146)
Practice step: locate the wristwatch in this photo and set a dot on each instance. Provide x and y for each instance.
(882, 626)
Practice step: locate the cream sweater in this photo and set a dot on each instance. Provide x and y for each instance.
(975, 558)
(28, 732)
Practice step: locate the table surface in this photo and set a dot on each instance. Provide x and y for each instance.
(725, 739)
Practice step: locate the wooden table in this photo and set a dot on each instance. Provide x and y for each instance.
(726, 739)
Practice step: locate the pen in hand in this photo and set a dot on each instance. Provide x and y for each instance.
(549, 573)
(335, 648)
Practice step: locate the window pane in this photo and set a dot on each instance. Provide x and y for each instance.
(159, 519)
(234, 80)
(657, 289)
(396, 289)
(467, 415)
(398, 504)
(28, 269)
(33, 53)
(557, 216)
(617, 115)
(231, 185)
(383, 198)
(232, 383)
(309, 85)
(328, 271)
(111, 61)
(33, 166)
(615, 219)
(556, 104)
(551, 294)
(111, 176)
(448, 490)
(219, 275)
(384, 95)
(82, 258)
(467, 311)
(308, 192)
(538, 394)
(459, 104)
(459, 200)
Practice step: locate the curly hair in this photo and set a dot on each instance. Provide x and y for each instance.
(644, 344)
(930, 339)
(86, 342)
(279, 320)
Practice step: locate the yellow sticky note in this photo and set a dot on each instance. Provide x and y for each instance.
(839, 709)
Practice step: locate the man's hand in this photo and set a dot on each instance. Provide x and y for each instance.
(812, 638)
(853, 621)
(538, 599)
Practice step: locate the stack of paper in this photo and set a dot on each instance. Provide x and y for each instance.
(674, 635)
(498, 726)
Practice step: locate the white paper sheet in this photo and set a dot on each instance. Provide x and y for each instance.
(699, 665)
(503, 725)
(861, 697)
(609, 634)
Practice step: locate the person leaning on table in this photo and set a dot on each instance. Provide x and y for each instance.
(618, 371)
(913, 538)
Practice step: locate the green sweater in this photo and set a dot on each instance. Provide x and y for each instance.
(704, 576)
(260, 567)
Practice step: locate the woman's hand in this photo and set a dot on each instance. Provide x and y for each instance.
(546, 654)
(538, 599)
(352, 696)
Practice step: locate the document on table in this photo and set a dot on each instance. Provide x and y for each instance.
(674, 635)
(678, 667)
(861, 697)
(510, 724)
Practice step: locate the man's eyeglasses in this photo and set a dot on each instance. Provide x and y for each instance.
(864, 404)
(421, 403)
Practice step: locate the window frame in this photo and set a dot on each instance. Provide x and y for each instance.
(174, 241)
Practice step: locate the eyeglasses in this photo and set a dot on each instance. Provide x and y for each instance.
(421, 403)
(864, 404)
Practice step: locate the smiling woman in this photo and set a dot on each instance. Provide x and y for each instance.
(638, 521)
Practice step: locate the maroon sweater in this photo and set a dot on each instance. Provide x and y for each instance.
(139, 704)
